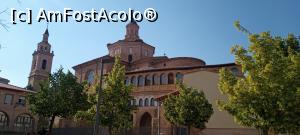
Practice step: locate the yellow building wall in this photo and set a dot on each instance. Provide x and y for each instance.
(208, 83)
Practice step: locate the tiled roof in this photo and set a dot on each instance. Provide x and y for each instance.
(164, 96)
(96, 59)
(12, 87)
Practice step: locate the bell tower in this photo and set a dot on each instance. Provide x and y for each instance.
(41, 63)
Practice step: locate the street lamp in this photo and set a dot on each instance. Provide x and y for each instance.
(97, 123)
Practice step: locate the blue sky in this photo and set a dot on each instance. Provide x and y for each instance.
(195, 28)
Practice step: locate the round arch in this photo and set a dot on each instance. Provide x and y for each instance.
(133, 81)
(141, 102)
(155, 79)
(4, 120)
(170, 78)
(148, 80)
(146, 124)
(163, 79)
(141, 80)
(90, 76)
(152, 102)
(24, 122)
(146, 102)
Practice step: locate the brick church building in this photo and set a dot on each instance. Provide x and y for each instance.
(153, 76)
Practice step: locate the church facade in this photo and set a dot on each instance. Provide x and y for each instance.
(153, 76)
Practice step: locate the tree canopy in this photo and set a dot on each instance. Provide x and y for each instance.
(60, 96)
(190, 108)
(268, 96)
(115, 108)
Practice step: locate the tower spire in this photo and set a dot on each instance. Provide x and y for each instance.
(46, 34)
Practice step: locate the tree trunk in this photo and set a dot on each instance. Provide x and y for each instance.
(51, 125)
(264, 131)
(189, 130)
(174, 128)
(109, 130)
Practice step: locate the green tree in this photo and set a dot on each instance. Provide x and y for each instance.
(89, 116)
(60, 96)
(190, 108)
(268, 96)
(115, 109)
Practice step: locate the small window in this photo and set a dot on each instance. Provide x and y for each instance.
(21, 101)
(8, 99)
(90, 77)
(156, 79)
(179, 77)
(235, 71)
(146, 102)
(130, 58)
(130, 50)
(148, 80)
(163, 79)
(127, 81)
(134, 102)
(133, 80)
(141, 81)
(152, 102)
(170, 78)
(44, 64)
(141, 102)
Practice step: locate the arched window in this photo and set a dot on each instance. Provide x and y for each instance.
(127, 81)
(44, 64)
(3, 121)
(133, 80)
(163, 79)
(152, 102)
(146, 102)
(130, 58)
(24, 122)
(179, 77)
(141, 80)
(134, 102)
(148, 80)
(170, 78)
(141, 102)
(156, 79)
(90, 76)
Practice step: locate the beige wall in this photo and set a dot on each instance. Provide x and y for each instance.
(208, 83)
